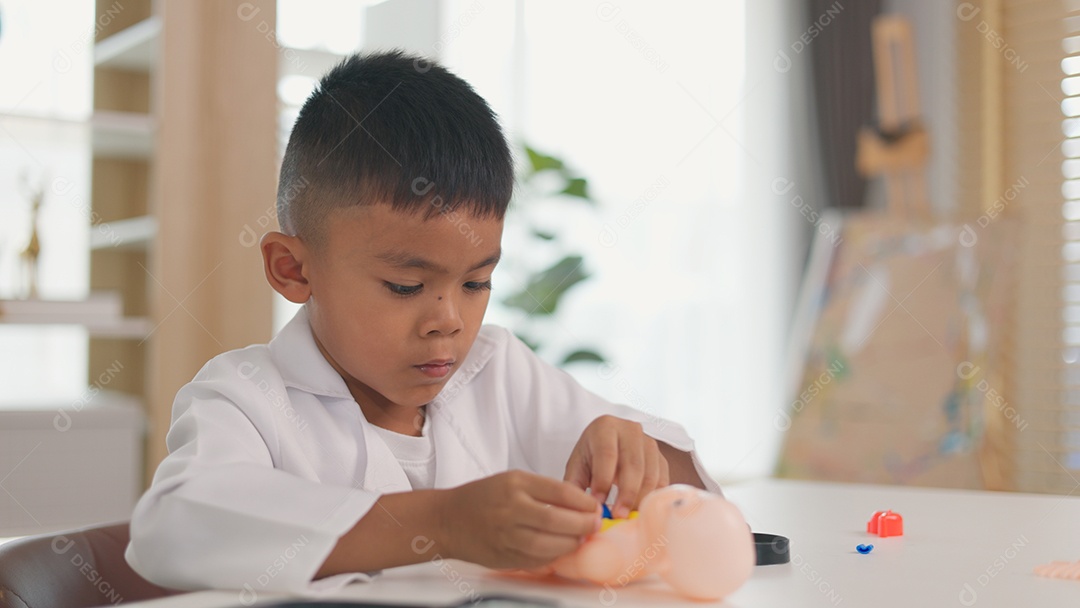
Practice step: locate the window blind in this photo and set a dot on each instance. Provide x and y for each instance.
(1018, 86)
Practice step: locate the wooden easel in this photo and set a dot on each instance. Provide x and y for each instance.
(898, 150)
(899, 147)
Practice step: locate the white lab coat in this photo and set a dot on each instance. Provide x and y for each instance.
(271, 460)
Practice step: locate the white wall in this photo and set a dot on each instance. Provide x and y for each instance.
(783, 179)
(934, 24)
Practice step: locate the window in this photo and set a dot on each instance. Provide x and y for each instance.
(46, 58)
(1018, 85)
(1069, 434)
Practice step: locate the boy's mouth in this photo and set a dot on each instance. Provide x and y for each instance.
(437, 368)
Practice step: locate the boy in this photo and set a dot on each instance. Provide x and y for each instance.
(383, 425)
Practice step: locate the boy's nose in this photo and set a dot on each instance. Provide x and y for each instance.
(443, 318)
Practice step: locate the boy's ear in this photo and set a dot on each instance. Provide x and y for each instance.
(284, 261)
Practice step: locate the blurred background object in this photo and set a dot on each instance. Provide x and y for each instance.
(714, 139)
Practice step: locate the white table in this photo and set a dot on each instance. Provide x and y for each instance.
(960, 548)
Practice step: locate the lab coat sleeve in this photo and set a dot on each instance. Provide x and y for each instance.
(219, 515)
(550, 411)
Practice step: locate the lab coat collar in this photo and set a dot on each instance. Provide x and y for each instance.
(301, 363)
(302, 366)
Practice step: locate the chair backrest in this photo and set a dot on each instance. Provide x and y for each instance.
(74, 569)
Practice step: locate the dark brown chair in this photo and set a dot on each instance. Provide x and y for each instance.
(75, 569)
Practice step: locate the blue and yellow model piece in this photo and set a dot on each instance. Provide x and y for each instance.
(610, 520)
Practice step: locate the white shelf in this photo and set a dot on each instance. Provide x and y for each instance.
(86, 465)
(126, 328)
(136, 48)
(98, 305)
(102, 408)
(131, 233)
(101, 314)
(133, 48)
(49, 132)
(112, 134)
(122, 134)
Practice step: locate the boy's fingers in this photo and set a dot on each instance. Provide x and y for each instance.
(543, 547)
(605, 461)
(631, 470)
(552, 519)
(576, 472)
(665, 472)
(561, 494)
(650, 478)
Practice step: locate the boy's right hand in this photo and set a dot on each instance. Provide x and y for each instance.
(516, 520)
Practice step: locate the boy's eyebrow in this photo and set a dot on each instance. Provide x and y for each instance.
(403, 259)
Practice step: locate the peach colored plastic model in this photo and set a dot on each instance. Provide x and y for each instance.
(697, 542)
(1067, 570)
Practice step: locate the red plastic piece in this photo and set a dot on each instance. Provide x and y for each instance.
(886, 523)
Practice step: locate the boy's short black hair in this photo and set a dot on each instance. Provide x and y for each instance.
(395, 129)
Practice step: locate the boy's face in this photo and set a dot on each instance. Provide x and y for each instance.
(397, 300)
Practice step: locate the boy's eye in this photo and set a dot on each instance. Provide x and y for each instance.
(402, 290)
(475, 286)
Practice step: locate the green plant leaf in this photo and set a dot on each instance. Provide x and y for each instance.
(542, 162)
(544, 289)
(582, 355)
(532, 345)
(547, 236)
(577, 186)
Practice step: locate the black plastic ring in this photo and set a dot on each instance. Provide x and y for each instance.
(771, 549)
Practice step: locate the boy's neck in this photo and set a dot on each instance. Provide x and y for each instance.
(381, 412)
(396, 418)
(378, 410)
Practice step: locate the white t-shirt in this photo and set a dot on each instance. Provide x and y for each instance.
(416, 455)
(271, 459)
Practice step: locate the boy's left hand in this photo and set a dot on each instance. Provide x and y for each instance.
(616, 451)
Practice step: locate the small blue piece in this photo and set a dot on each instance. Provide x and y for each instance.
(864, 549)
(607, 512)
